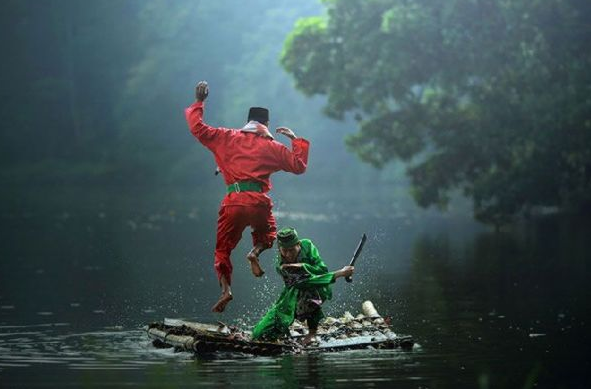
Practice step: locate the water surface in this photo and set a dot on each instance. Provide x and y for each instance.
(79, 281)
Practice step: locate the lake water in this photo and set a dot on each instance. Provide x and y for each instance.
(79, 278)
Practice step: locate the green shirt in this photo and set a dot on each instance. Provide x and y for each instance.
(312, 276)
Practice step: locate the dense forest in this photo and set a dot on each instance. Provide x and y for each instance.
(483, 98)
(489, 97)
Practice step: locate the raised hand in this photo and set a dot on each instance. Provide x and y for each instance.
(285, 131)
(201, 91)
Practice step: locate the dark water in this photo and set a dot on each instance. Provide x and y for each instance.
(79, 278)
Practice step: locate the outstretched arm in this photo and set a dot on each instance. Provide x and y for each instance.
(194, 115)
(324, 279)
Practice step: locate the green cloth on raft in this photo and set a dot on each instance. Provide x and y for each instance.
(312, 276)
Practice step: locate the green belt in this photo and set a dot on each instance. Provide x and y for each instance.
(245, 186)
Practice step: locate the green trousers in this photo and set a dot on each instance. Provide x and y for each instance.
(277, 320)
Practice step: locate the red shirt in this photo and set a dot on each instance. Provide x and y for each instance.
(246, 156)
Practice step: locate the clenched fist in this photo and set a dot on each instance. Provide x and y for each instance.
(201, 90)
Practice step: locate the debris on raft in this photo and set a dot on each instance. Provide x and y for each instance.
(366, 330)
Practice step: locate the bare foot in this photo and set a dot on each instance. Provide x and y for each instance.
(308, 339)
(225, 298)
(255, 266)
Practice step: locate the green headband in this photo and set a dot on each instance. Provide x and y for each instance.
(287, 237)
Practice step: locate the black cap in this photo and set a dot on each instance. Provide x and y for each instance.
(259, 114)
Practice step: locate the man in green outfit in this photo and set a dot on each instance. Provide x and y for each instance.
(307, 285)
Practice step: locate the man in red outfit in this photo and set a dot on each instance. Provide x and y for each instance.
(246, 158)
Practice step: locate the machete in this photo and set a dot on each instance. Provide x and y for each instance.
(356, 255)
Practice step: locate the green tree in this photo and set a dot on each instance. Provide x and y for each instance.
(489, 97)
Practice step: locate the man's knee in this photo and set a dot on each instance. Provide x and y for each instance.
(222, 256)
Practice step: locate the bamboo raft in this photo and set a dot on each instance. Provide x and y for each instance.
(366, 330)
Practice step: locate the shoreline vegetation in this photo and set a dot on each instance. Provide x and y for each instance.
(506, 128)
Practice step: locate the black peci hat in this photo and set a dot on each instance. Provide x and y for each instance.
(259, 114)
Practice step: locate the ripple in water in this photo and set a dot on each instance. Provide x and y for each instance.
(23, 346)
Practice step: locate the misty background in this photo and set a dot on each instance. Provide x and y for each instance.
(94, 141)
(456, 135)
(94, 94)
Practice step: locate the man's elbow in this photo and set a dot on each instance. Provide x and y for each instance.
(196, 129)
(300, 168)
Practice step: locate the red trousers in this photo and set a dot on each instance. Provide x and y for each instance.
(232, 221)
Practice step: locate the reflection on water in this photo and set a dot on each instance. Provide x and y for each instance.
(24, 346)
(489, 310)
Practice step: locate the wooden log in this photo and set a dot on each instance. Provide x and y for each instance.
(183, 342)
(200, 342)
(347, 333)
(400, 342)
(369, 310)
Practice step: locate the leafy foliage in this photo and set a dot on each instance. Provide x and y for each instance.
(490, 97)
